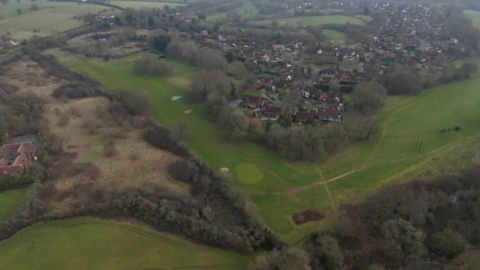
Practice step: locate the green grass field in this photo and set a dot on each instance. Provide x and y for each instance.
(336, 37)
(248, 9)
(142, 5)
(364, 17)
(474, 16)
(313, 20)
(87, 243)
(371, 164)
(9, 200)
(51, 16)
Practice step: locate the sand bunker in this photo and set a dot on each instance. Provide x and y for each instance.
(187, 111)
(176, 97)
(226, 172)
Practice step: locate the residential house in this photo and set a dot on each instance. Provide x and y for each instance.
(266, 58)
(345, 76)
(335, 100)
(286, 77)
(330, 115)
(277, 85)
(273, 111)
(252, 102)
(264, 82)
(361, 76)
(304, 116)
(312, 93)
(279, 48)
(327, 74)
(14, 158)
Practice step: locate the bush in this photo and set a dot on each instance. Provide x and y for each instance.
(63, 121)
(163, 138)
(150, 65)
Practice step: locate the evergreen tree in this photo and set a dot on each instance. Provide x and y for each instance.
(366, 11)
(151, 22)
(118, 21)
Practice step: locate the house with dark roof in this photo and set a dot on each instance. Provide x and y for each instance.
(361, 76)
(252, 102)
(345, 76)
(304, 116)
(312, 93)
(277, 85)
(272, 111)
(330, 114)
(327, 74)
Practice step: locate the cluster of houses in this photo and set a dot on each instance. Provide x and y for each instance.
(408, 35)
(327, 107)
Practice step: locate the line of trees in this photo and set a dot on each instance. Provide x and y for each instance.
(405, 80)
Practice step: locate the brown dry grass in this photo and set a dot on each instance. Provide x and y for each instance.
(180, 81)
(30, 77)
(135, 162)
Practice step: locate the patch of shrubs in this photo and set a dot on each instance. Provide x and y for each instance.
(77, 89)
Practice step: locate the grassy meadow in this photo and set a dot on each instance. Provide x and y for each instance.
(313, 20)
(336, 36)
(9, 200)
(474, 16)
(272, 181)
(86, 243)
(247, 9)
(51, 16)
(142, 5)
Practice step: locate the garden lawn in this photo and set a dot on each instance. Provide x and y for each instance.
(87, 243)
(51, 16)
(364, 17)
(313, 20)
(366, 165)
(247, 9)
(336, 36)
(9, 201)
(474, 16)
(141, 4)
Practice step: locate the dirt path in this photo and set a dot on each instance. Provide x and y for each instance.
(265, 167)
(332, 202)
(295, 190)
(384, 131)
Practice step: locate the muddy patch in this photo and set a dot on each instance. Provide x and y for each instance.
(308, 215)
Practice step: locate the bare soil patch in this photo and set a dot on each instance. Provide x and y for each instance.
(308, 215)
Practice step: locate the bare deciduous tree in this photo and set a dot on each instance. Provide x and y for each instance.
(206, 82)
(368, 97)
(150, 65)
(181, 130)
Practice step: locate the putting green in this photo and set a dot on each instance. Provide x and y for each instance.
(248, 173)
